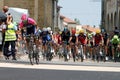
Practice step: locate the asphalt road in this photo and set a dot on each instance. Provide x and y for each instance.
(58, 70)
(50, 71)
(46, 74)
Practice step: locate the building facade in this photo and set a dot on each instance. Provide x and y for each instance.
(43, 11)
(110, 15)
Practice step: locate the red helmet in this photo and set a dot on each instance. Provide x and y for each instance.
(73, 31)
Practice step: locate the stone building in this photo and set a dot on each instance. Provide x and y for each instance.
(110, 15)
(43, 11)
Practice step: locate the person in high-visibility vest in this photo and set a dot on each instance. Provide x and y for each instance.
(10, 39)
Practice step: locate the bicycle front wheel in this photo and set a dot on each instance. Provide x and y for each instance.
(31, 58)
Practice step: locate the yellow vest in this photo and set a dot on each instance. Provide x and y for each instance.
(10, 34)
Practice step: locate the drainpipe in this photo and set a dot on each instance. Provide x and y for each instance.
(36, 10)
(117, 14)
(44, 13)
(53, 15)
(118, 4)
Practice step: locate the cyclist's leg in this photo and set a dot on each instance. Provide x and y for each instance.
(27, 44)
(84, 51)
(113, 51)
(44, 49)
(96, 51)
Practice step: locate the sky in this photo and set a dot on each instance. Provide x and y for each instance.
(87, 11)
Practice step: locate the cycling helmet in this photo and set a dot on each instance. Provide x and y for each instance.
(115, 37)
(65, 28)
(81, 31)
(98, 31)
(73, 31)
(24, 17)
(44, 29)
(49, 28)
(60, 32)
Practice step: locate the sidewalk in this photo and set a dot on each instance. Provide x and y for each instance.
(18, 55)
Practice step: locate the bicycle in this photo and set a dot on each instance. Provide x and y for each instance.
(97, 53)
(33, 52)
(65, 51)
(50, 51)
(116, 54)
(102, 53)
(73, 51)
(80, 52)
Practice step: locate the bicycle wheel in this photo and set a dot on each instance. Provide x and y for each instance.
(73, 54)
(31, 58)
(36, 55)
(98, 56)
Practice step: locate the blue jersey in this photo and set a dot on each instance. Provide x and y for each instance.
(46, 36)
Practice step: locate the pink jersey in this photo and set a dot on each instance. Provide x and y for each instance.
(30, 21)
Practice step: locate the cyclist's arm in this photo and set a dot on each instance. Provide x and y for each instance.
(70, 39)
(102, 41)
(86, 40)
(108, 40)
(77, 40)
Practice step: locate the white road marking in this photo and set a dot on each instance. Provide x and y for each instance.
(61, 67)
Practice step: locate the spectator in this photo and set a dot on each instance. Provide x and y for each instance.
(10, 38)
(2, 26)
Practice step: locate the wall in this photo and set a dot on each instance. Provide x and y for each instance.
(40, 10)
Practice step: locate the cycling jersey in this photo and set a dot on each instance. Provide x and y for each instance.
(115, 41)
(97, 39)
(65, 36)
(90, 40)
(82, 38)
(45, 36)
(29, 24)
(73, 40)
(105, 38)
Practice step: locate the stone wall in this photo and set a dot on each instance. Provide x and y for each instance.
(41, 10)
(1, 4)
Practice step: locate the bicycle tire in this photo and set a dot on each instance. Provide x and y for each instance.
(31, 58)
(36, 58)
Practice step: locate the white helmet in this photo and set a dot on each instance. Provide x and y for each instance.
(44, 29)
(49, 28)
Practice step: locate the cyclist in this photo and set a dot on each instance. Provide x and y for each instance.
(82, 40)
(98, 42)
(90, 43)
(27, 27)
(106, 42)
(115, 42)
(73, 41)
(45, 37)
(65, 36)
